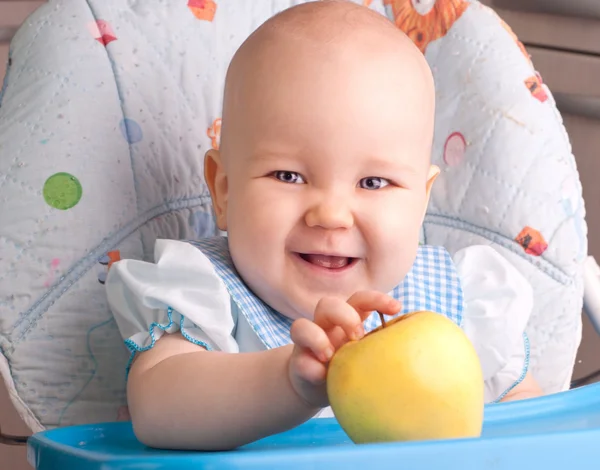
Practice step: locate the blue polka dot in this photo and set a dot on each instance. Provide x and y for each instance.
(203, 224)
(131, 130)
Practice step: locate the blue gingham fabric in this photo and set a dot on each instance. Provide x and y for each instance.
(432, 284)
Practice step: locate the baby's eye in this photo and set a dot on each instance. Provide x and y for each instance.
(373, 182)
(289, 177)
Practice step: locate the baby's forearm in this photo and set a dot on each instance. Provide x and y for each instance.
(213, 401)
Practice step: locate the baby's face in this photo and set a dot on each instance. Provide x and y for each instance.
(324, 175)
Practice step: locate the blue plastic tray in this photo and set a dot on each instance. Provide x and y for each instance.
(559, 431)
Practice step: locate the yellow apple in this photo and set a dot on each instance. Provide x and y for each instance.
(418, 377)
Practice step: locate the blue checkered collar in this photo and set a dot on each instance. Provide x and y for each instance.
(432, 284)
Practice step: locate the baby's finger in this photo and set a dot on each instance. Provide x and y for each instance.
(365, 302)
(306, 367)
(308, 335)
(334, 312)
(338, 337)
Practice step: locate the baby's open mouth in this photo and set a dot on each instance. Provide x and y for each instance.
(327, 261)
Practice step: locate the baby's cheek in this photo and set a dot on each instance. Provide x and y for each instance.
(394, 268)
(396, 254)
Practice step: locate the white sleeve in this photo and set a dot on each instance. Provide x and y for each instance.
(498, 303)
(179, 292)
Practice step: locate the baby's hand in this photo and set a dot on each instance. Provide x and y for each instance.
(335, 323)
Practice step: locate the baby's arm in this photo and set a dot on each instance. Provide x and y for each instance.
(528, 388)
(183, 397)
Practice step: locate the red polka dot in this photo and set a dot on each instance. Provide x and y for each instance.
(102, 31)
(454, 149)
(532, 241)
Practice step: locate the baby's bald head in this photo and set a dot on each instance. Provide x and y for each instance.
(325, 22)
(301, 46)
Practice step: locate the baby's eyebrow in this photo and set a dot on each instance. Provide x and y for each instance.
(386, 164)
(271, 154)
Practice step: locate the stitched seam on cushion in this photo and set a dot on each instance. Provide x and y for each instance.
(539, 201)
(523, 372)
(41, 112)
(484, 142)
(533, 164)
(40, 115)
(173, 81)
(480, 45)
(160, 56)
(28, 48)
(94, 370)
(126, 129)
(87, 262)
(547, 267)
(24, 249)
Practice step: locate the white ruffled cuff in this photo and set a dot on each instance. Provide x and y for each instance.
(180, 292)
(498, 304)
(498, 386)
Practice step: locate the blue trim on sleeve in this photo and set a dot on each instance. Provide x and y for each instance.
(523, 372)
(129, 362)
(136, 348)
(190, 339)
(133, 347)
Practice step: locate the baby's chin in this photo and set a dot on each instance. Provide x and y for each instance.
(294, 308)
(297, 307)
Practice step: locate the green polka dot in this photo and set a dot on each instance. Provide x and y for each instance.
(62, 191)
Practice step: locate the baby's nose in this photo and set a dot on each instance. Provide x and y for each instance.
(330, 213)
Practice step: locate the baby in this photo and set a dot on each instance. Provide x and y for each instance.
(321, 182)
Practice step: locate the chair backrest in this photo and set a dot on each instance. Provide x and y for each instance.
(108, 108)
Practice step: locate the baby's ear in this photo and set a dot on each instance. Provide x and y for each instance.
(216, 179)
(434, 171)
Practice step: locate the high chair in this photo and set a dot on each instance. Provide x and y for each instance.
(107, 109)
